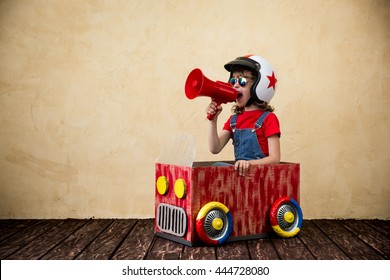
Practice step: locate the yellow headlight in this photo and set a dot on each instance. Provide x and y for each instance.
(180, 188)
(162, 185)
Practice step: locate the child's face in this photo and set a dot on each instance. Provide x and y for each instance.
(244, 90)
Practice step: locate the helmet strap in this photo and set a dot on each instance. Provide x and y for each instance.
(253, 97)
(250, 102)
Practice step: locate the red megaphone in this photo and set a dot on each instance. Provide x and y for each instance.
(198, 85)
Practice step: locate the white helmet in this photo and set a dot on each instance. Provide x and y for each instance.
(263, 89)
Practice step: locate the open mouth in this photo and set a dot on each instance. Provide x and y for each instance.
(239, 96)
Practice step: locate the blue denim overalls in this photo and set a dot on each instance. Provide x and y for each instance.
(246, 145)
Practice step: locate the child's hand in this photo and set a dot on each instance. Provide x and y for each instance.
(213, 109)
(242, 167)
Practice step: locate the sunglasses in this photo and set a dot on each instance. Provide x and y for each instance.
(241, 81)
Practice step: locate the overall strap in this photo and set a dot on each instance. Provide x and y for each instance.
(260, 120)
(233, 121)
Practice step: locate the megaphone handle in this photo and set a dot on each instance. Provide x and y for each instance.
(210, 117)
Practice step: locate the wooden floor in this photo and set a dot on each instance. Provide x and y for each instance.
(130, 239)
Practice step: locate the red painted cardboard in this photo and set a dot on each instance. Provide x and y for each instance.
(249, 198)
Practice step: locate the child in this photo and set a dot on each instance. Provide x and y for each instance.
(254, 128)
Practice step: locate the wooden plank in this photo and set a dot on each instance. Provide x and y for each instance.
(137, 243)
(233, 251)
(199, 253)
(319, 244)
(23, 237)
(14, 226)
(75, 243)
(104, 246)
(41, 245)
(262, 249)
(134, 239)
(291, 249)
(164, 249)
(375, 239)
(350, 244)
(382, 226)
(6, 222)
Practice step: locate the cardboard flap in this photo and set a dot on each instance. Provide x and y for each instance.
(180, 151)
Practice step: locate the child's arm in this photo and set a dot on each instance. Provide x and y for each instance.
(216, 141)
(273, 150)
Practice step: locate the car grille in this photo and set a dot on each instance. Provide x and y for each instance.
(171, 219)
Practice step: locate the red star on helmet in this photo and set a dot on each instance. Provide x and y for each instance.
(272, 80)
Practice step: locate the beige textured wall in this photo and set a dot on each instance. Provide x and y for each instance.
(90, 92)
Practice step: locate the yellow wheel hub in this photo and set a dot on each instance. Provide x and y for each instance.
(289, 217)
(217, 224)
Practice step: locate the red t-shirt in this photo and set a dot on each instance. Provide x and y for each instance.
(247, 119)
